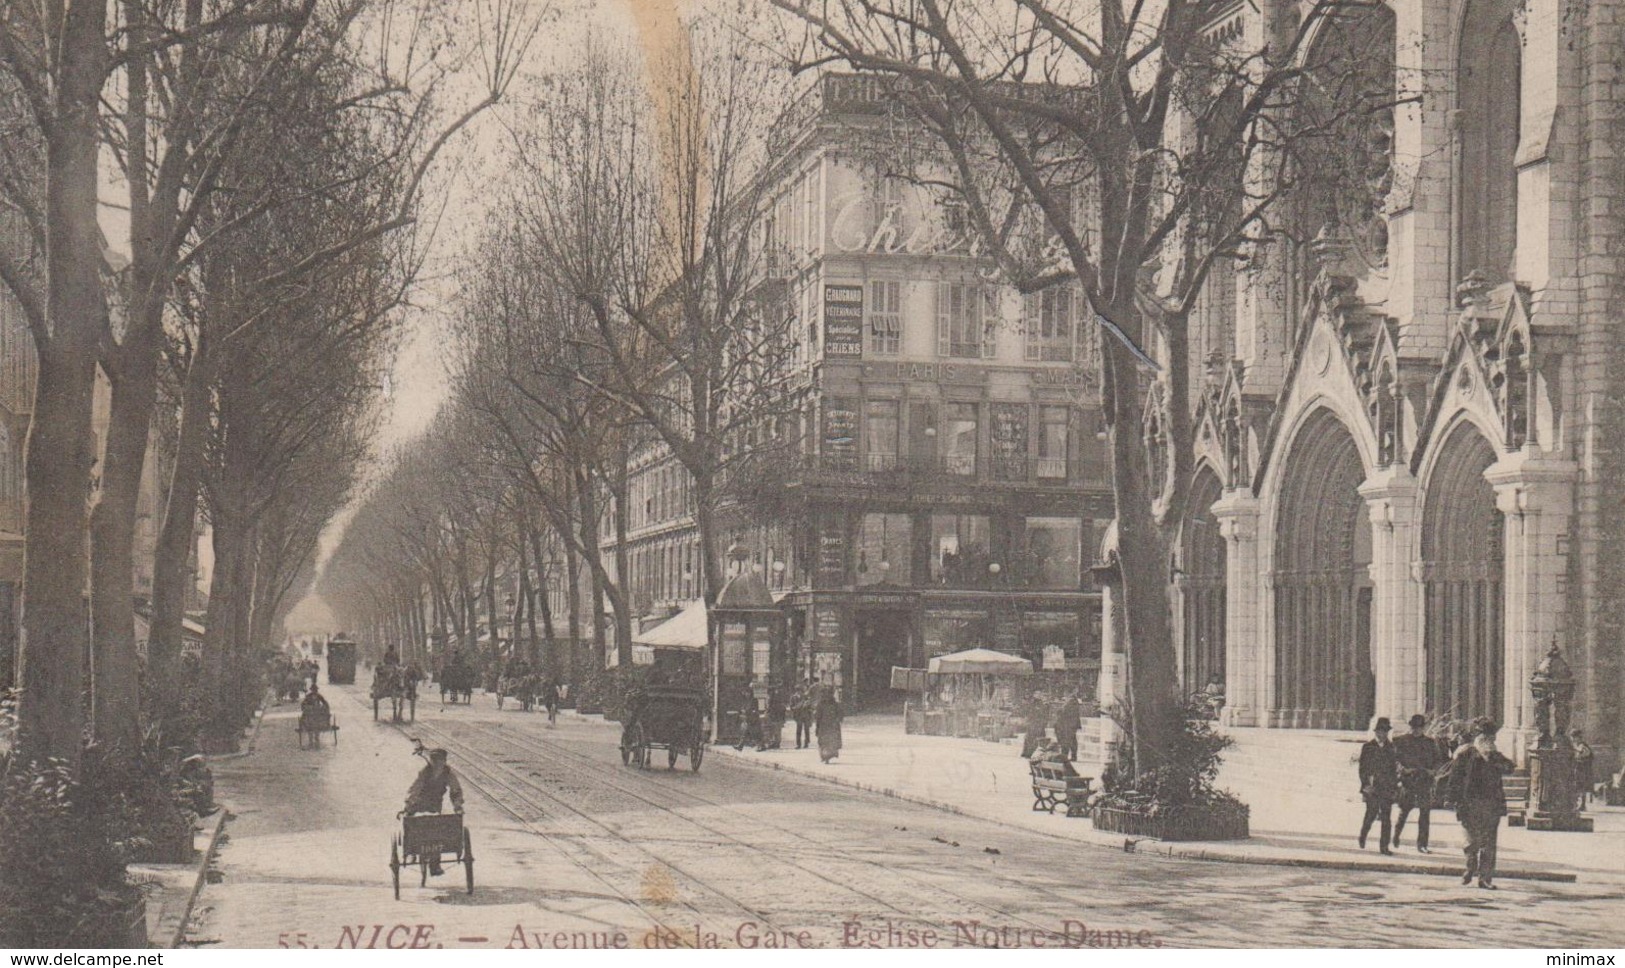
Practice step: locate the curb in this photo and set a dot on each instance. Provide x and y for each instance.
(253, 737)
(202, 877)
(1150, 845)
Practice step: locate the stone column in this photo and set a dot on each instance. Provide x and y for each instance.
(1536, 496)
(1397, 648)
(1246, 662)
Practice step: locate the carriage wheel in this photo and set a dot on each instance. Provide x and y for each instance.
(671, 757)
(695, 754)
(395, 863)
(468, 858)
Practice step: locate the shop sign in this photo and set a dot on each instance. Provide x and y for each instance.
(827, 630)
(926, 372)
(1009, 436)
(735, 649)
(843, 321)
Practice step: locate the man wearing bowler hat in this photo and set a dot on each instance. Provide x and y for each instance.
(1379, 782)
(1419, 757)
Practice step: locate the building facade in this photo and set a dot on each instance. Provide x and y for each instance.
(1410, 473)
(950, 489)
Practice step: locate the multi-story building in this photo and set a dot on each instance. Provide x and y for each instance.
(1410, 467)
(950, 490)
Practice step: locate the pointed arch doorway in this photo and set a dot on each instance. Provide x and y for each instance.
(1202, 587)
(1463, 567)
(1322, 584)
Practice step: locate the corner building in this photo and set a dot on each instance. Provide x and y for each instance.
(951, 491)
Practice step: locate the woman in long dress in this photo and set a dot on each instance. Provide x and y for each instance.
(827, 719)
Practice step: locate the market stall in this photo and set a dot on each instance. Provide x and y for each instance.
(973, 693)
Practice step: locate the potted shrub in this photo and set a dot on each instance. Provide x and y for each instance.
(1175, 800)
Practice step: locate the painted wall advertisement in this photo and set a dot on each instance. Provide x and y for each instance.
(843, 321)
(1009, 435)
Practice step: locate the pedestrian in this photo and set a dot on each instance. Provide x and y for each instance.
(773, 726)
(1037, 725)
(827, 717)
(750, 727)
(1379, 783)
(1068, 720)
(1475, 780)
(1419, 756)
(803, 707)
(1583, 759)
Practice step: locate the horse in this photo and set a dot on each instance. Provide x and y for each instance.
(395, 684)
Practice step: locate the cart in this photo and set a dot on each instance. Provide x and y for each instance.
(313, 722)
(427, 839)
(665, 717)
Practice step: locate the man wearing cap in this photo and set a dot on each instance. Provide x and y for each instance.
(434, 781)
(1419, 756)
(1379, 782)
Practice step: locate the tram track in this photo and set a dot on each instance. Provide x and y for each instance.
(599, 859)
(812, 859)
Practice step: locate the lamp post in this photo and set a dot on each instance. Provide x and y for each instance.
(1554, 792)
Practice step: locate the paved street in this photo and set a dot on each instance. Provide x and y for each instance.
(573, 849)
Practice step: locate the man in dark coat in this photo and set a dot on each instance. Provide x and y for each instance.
(1379, 783)
(1475, 781)
(827, 717)
(1037, 716)
(433, 782)
(802, 708)
(1068, 720)
(1419, 756)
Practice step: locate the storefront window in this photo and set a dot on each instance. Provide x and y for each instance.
(1053, 427)
(948, 630)
(959, 439)
(959, 550)
(1051, 558)
(885, 544)
(1052, 630)
(880, 429)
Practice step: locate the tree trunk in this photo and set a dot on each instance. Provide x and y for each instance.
(115, 715)
(172, 563)
(218, 660)
(705, 523)
(572, 599)
(54, 640)
(1142, 553)
(620, 490)
(543, 602)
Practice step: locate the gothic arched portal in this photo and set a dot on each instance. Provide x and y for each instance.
(1202, 558)
(1323, 676)
(1463, 564)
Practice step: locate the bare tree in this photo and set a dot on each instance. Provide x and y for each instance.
(1124, 149)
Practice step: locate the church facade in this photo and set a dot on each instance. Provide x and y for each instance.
(1410, 482)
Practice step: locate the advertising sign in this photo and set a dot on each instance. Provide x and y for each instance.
(843, 321)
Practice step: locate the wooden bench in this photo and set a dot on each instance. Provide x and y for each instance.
(1055, 782)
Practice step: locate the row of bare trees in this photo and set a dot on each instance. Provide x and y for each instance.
(612, 307)
(268, 158)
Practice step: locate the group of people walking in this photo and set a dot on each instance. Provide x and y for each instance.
(1040, 716)
(1417, 772)
(817, 714)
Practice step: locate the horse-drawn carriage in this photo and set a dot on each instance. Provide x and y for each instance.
(665, 717)
(521, 689)
(398, 686)
(456, 681)
(314, 720)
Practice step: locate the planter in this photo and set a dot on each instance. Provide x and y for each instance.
(1195, 823)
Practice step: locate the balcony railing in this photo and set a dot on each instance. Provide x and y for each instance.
(1051, 468)
(1049, 472)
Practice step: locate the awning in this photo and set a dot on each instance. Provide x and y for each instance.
(687, 629)
(981, 662)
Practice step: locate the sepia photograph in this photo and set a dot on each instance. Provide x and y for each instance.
(931, 475)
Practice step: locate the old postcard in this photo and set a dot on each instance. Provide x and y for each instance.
(812, 474)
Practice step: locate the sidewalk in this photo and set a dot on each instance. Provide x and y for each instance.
(1301, 814)
(305, 857)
